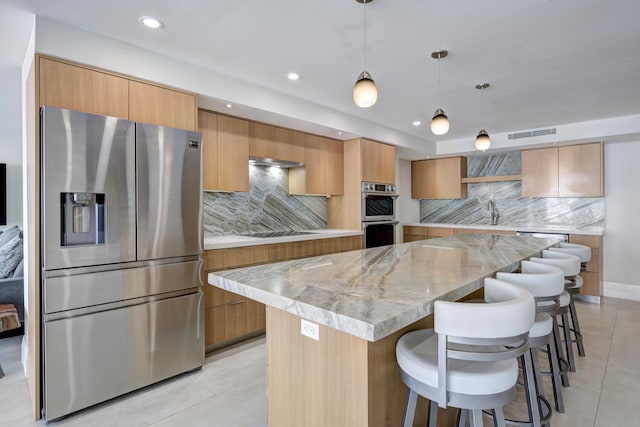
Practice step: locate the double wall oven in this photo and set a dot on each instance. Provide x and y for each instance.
(378, 214)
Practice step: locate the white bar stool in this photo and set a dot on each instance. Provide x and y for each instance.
(468, 360)
(546, 283)
(570, 264)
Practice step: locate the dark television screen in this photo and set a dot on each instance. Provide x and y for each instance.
(3, 194)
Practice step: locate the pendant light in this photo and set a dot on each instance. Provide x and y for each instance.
(440, 121)
(483, 142)
(365, 93)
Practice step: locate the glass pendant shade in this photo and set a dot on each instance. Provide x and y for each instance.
(439, 122)
(365, 93)
(483, 142)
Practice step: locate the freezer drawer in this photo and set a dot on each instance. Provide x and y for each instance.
(75, 291)
(92, 358)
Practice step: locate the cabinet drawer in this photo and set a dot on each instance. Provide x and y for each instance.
(591, 284)
(219, 259)
(413, 237)
(416, 231)
(215, 296)
(233, 320)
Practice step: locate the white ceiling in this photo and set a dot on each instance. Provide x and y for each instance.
(549, 62)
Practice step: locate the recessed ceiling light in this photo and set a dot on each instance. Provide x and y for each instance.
(229, 105)
(150, 22)
(417, 123)
(293, 76)
(339, 133)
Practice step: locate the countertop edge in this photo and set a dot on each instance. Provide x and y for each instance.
(585, 232)
(255, 241)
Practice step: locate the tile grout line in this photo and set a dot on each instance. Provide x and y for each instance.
(606, 368)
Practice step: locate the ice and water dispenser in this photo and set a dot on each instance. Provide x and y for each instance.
(83, 221)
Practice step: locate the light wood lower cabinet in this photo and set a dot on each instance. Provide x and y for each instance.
(592, 278)
(229, 316)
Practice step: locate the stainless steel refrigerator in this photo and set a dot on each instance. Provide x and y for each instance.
(121, 250)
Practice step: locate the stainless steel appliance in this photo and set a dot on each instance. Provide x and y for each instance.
(378, 202)
(121, 215)
(378, 214)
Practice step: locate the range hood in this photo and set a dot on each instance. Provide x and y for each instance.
(267, 161)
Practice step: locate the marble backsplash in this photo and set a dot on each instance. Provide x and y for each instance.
(267, 206)
(507, 196)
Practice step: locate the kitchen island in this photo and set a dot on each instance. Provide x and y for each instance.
(352, 307)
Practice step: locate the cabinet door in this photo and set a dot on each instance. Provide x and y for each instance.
(449, 173)
(435, 232)
(276, 143)
(208, 125)
(540, 172)
(160, 106)
(378, 162)
(76, 88)
(423, 179)
(233, 320)
(580, 171)
(315, 165)
(334, 167)
(233, 154)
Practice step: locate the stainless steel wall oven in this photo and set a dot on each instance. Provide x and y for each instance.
(378, 214)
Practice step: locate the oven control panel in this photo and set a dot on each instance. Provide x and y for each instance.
(372, 187)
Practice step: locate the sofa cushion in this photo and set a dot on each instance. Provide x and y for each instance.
(9, 234)
(10, 255)
(19, 271)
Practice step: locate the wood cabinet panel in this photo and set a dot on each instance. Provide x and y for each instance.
(434, 232)
(276, 142)
(77, 88)
(591, 283)
(334, 167)
(459, 231)
(449, 174)
(233, 154)
(439, 178)
(591, 241)
(415, 230)
(378, 162)
(208, 125)
(220, 259)
(406, 238)
(423, 179)
(161, 106)
(233, 320)
(540, 172)
(580, 171)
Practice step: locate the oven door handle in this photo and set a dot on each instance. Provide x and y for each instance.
(368, 223)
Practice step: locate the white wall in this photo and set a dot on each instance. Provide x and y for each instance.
(11, 140)
(622, 229)
(407, 209)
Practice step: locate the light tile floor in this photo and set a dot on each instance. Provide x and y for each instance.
(230, 389)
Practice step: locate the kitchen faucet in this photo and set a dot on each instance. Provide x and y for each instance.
(494, 212)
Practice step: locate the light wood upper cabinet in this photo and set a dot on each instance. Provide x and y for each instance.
(323, 170)
(276, 142)
(225, 153)
(580, 171)
(208, 126)
(570, 171)
(233, 154)
(161, 106)
(378, 162)
(77, 88)
(540, 172)
(439, 178)
(334, 167)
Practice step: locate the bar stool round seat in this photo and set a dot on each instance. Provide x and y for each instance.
(581, 251)
(468, 360)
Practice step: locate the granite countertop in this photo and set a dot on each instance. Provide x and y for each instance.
(372, 293)
(588, 231)
(235, 241)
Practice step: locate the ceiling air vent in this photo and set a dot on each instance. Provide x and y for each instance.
(532, 133)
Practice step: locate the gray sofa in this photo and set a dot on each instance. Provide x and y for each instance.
(11, 269)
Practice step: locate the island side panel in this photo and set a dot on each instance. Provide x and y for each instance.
(314, 383)
(340, 380)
